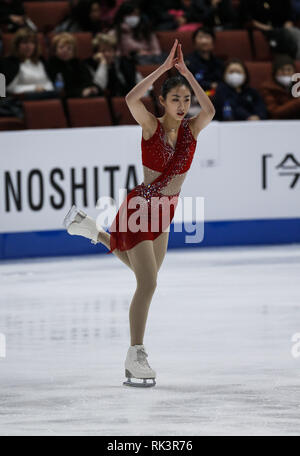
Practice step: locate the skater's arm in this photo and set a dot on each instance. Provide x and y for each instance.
(207, 112)
(207, 108)
(133, 98)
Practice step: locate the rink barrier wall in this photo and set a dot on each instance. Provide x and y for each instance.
(247, 173)
(216, 234)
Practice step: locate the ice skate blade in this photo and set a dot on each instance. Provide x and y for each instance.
(140, 385)
(143, 385)
(74, 214)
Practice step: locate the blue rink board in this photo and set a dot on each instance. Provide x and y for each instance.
(224, 233)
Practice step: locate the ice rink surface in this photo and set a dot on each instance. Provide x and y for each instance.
(219, 334)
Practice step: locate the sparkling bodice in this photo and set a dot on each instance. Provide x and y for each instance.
(167, 165)
(157, 151)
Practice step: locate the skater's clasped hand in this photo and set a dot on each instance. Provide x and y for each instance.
(178, 61)
(180, 65)
(171, 60)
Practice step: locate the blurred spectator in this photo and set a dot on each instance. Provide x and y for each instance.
(273, 18)
(135, 36)
(276, 92)
(218, 14)
(266, 15)
(234, 99)
(189, 14)
(157, 13)
(295, 33)
(25, 69)
(12, 16)
(204, 65)
(109, 9)
(68, 71)
(115, 74)
(90, 16)
(295, 4)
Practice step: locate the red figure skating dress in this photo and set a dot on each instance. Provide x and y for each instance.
(160, 156)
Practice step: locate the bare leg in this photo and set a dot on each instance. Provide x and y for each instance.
(142, 259)
(160, 245)
(104, 238)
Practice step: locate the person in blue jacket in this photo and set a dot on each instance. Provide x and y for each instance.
(234, 99)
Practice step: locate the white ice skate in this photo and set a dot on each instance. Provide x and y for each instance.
(136, 366)
(79, 223)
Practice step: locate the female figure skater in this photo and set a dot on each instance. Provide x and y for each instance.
(168, 146)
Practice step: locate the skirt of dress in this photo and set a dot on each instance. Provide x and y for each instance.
(143, 215)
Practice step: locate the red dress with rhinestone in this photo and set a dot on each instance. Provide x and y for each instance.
(145, 213)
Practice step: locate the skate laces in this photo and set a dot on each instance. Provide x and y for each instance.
(142, 357)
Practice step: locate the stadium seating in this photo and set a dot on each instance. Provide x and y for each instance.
(11, 123)
(261, 47)
(41, 114)
(259, 72)
(166, 40)
(122, 112)
(252, 48)
(46, 15)
(89, 112)
(233, 43)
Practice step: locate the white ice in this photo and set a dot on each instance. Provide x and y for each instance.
(219, 335)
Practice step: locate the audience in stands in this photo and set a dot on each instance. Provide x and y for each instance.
(295, 4)
(25, 70)
(135, 36)
(90, 16)
(124, 37)
(158, 14)
(273, 18)
(13, 17)
(277, 92)
(234, 99)
(218, 14)
(205, 66)
(189, 14)
(66, 69)
(115, 74)
(185, 14)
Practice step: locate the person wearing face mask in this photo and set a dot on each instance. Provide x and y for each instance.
(234, 99)
(135, 36)
(277, 92)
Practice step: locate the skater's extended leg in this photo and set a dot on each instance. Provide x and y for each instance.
(77, 222)
(142, 259)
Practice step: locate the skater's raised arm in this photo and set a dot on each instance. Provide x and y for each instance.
(207, 108)
(133, 98)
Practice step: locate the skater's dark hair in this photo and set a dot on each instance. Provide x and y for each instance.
(172, 82)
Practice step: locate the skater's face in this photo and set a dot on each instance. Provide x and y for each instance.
(177, 102)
